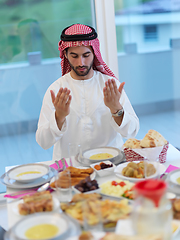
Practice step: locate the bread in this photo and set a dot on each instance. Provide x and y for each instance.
(152, 139)
(77, 171)
(81, 197)
(38, 202)
(77, 174)
(86, 236)
(37, 197)
(132, 143)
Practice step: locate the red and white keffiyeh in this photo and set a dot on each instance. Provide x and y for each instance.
(78, 30)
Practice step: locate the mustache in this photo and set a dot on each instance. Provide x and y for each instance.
(81, 67)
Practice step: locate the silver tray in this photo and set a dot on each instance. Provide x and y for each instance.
(119, 158)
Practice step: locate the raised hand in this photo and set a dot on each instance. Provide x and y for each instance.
(112, 95)
(62, 104)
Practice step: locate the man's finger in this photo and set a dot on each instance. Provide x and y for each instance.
(121, 87)
(52, 96)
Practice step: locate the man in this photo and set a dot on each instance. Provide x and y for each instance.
(87, 105)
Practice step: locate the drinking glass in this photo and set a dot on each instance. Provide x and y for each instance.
(92, 217)
(63, 186)
(74, 151)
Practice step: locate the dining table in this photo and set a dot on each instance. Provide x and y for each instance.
(8, 218)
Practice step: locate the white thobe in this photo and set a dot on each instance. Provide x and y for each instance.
(89, 123)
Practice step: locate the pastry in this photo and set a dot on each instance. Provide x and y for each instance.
(153, 139)
(38, 202)
(132, 143)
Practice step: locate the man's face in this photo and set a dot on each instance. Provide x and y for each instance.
(81, 60)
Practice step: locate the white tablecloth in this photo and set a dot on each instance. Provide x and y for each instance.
(8, 218)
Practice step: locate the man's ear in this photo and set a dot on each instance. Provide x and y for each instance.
(65, 53)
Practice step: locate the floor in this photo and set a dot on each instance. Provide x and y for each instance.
(21, 149)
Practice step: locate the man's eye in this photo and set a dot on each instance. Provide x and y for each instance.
(86, 55)
(74, 56)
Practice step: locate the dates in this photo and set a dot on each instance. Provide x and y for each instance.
(102, 165)
(87, 185)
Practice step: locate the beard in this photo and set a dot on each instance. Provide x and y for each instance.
(81, 73)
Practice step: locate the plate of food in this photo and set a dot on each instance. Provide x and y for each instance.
(38, 202)
(134, 171)
(103, 168)
(111, 210)
(77, 174)
(117, 189)
(28, 172)
(86, 186)
(91, 156)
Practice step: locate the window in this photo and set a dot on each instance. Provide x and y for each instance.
(152, 73)
(29, 63)
(150, 33)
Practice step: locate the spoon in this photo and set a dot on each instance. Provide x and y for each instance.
(43, 187)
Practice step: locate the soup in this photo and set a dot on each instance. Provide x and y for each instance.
(178, 180)
(42, 231)
(29, 172)
(101, 156)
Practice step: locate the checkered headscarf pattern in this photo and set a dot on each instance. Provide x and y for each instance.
(98, 64)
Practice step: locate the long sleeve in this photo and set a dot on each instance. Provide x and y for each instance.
(48, 132)
(89, 123)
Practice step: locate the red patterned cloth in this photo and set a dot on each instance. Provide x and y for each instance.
(98, 64)
(133, 156)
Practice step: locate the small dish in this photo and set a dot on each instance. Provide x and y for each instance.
(98, 190)
(105, 171)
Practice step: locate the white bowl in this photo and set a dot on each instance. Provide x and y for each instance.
(58, 220)
(105, 171)
(173, 176)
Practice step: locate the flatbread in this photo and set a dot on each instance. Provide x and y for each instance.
(153, 139)
(132, 143)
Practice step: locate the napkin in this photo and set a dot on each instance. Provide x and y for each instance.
(54, 165)
(21, 194)
(169, 169)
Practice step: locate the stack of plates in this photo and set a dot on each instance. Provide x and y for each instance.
(84, 159)
(28, 176)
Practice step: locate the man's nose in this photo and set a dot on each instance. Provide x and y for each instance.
(80, 61)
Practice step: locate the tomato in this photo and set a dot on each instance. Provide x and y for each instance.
(114, 183)
(122, 184)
